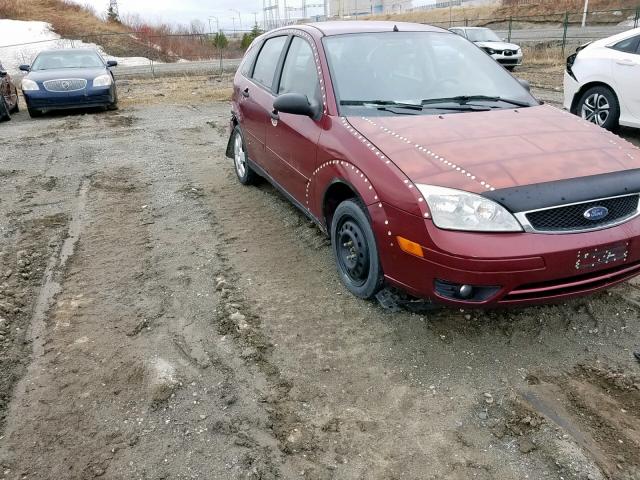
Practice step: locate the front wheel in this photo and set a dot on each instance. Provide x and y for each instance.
(600, 105)
(35, 113)
(355, 250)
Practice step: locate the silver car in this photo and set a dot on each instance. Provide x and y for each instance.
(507, 54)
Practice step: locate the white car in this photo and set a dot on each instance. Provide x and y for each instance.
(602, 81)
(507, 54)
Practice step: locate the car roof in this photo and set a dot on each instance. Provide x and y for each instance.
(617, 38)
(365, 26)
(59, 50)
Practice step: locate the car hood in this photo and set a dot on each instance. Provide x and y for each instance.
(498, 45)
(85, 73)
(481, 151)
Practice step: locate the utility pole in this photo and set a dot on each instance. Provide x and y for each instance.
(584, 14)
(239, 17)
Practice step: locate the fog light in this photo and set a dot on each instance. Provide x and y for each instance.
(462, 291)
(465, 291)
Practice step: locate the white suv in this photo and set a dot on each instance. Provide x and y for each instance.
(602, 81)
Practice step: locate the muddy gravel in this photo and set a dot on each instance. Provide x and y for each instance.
(160, 321)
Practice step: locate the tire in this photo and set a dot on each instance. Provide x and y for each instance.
(112, 106)
(355, 250)
(5, 113)
(246, 175)
(599, 105)
(16, 107)
(35, 113)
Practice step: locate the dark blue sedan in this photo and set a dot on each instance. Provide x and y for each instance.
(69, 78)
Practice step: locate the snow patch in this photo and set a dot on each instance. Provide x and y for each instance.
(21, 41)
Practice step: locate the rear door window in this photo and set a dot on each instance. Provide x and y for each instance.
(628, 45)
(267, 62)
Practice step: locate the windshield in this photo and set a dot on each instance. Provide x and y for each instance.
(67, 59)
(418, 68)
(482, 35)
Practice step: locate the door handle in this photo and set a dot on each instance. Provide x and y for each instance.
(627, 62)
(245, 92)
(274, 115)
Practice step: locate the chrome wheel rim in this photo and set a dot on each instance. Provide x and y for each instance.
(239, 156)
(596, 109)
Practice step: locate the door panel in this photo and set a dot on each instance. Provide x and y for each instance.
(255, 98)
(292, 140)
(626, 74)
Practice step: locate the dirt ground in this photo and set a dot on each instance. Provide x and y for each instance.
(160, 321)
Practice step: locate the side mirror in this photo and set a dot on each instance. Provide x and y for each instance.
(25, 68)
(3, 73)
(525, 84)
(295, 104)
(112, 63)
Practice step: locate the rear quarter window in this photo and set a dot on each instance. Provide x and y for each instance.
(249, 58)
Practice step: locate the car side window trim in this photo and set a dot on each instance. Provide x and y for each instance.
(280, 66)
(276, 88)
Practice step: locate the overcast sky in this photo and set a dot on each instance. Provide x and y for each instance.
(184, 11)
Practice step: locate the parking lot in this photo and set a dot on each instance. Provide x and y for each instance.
(184, 326)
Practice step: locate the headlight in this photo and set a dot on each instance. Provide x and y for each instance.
(458, 210)
(103, 80)
(490, 51)
(29, 85)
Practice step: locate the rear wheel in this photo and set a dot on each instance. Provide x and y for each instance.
(16, 107)
(355, 250)
(599, 105)
(5, 114)
(245, 173)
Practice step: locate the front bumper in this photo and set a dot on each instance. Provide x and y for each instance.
(571, 88)
(94, 97)
(528, 268)
(508, 60)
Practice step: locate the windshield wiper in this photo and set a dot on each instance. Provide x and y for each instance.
(464, 99)
(381, 103)
(386, 105)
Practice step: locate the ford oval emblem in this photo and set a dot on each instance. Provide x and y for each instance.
(596, 213)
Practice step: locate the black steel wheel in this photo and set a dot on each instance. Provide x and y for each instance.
(355, 249)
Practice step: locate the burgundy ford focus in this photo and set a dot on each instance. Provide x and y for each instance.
(431, 168)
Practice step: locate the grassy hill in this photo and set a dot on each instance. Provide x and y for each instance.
(71, 20)
(542, 11)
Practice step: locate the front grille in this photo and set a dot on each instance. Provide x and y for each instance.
(572, 217)
(65, 85)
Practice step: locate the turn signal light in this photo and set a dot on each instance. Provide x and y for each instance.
(410, 247)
